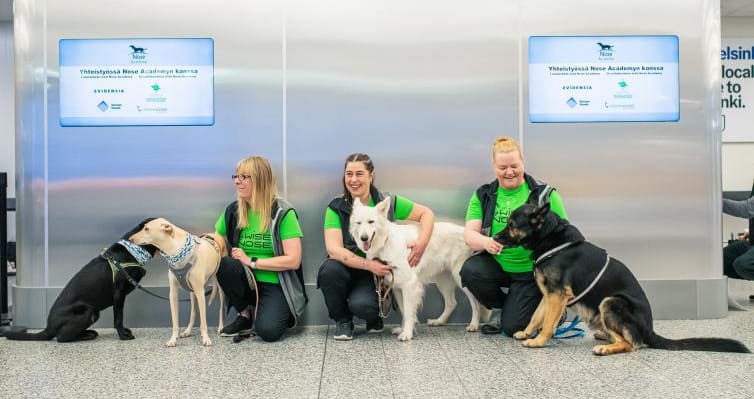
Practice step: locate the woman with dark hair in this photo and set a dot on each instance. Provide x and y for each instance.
(346, 277)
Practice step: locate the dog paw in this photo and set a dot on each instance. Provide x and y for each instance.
(472, 327)
(219, 329)
(396, 330)
(206, 341)
(170, 343)
(405, 336)
(601, 350)
(185, 333)
(533, 343)
(435, 322)
(125, 334)
(519, 335)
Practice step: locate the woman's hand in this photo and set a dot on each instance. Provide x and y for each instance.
(238, 253)
(377, 268)
(492, 246)
(417, 250)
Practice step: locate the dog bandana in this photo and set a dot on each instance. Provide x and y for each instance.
(140, 254)
(183, 253)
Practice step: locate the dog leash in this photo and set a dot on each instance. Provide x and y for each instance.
(562, 332)
(383, 290)
(253, 285)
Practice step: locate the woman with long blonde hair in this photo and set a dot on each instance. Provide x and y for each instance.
(263, 270)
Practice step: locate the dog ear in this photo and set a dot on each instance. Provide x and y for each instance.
(538, 216)
(357, 202)
(384, 206)
(167, 228)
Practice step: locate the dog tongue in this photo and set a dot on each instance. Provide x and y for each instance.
(366, 246)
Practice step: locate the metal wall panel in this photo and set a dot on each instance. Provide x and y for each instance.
(648, 192)
(31, 112)
(423, 87)
(103, 180)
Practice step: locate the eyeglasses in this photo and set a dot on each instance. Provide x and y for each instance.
(241, 178)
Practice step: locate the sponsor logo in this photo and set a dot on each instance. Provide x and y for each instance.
(623, 93)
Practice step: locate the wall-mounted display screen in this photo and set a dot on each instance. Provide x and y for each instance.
(603, 79)
(135, 82)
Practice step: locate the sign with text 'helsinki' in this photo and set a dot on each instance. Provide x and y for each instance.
(735, 92)
(136, 82)
(603, 79)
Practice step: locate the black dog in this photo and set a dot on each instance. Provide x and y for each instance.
(571, 271)
(95, 287)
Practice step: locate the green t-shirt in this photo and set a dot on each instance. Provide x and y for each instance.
(516, 259)
(259, 244)
(403, 208)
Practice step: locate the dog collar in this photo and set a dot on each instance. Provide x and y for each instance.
(140, 254)
(549, 254)
(183, 253)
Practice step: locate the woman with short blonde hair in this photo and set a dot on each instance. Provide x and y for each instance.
(495, 267)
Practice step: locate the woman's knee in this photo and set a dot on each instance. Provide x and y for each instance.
(270, 332)
(227, 267)
(471, 271)
(330, 271)
(744, 266)
(510, 327)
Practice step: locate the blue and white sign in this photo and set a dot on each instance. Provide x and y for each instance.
(603, 79)
(135, 82)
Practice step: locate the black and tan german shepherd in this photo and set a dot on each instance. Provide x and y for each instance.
(614, 304)
(94, 288)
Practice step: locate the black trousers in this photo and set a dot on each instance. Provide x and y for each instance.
(273, 314)
(484, 277)
(738, 260)
(348, 292)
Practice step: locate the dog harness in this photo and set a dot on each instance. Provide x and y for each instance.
(549, 254)
(183, 254)
(140, 254)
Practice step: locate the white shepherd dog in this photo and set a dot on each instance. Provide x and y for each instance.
(443, 258)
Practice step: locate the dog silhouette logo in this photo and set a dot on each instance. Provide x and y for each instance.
(603, 47)
(138, 55)
(137, 50)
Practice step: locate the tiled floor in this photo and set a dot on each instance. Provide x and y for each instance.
(441, 362)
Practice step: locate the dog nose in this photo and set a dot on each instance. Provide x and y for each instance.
(364, 237)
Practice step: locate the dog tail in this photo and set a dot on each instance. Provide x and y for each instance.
(212, 294)
(20, 334)
(697, 344)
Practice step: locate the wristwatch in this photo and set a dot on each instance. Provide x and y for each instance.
(254, 262)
